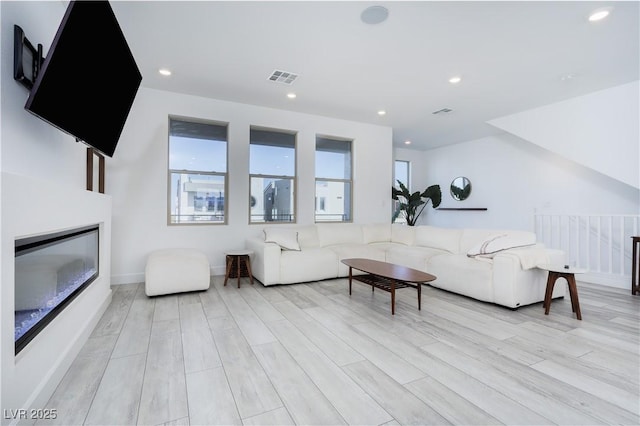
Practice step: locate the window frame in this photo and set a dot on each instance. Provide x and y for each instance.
(293, 179)
(171, 172)
(395, 178)
(350, 181)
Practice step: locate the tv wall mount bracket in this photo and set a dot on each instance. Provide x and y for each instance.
(27, 59)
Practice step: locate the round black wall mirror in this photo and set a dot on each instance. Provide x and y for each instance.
(460, 188)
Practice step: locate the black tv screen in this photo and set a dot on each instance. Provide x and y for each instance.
(89, 78)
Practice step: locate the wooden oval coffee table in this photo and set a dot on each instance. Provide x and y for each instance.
(387, 277)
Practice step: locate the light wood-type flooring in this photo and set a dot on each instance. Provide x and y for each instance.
(309, 354)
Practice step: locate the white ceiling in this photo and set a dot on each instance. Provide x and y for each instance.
(511, 55)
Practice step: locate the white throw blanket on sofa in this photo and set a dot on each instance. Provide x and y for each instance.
(532, 256)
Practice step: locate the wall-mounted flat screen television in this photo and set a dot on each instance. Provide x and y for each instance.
(89, 78)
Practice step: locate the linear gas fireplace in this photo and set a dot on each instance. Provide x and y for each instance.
(50, 271)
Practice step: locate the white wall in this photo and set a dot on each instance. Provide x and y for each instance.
(600, 130)
(513, 178)
(137, 177)
(43, 178)
(578, 156)
(30, 146)
(29, 378)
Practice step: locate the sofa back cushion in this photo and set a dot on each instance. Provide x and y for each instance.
(376, 233)
(286, 238)
(447, 239)
(306, 236)
(479, 241)
(339, 233)
(403, 234)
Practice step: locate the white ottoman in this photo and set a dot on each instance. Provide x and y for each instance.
(175, 271)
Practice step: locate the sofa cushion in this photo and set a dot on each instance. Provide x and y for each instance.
(463, 275)
(412, 257)
(439, 238)
(376, 233)
(308, 236)
(307, 265)
(346, 251)
(286, 238)
(339, 233)
(385, 246)
(403, 234)
(471, 237)
(496, 243)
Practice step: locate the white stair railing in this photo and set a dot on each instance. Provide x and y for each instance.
(599, 243)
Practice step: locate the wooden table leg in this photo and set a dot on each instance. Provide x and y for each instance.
(419, 296)
(350, 276)
(551, 280)
(635, 266)
(248, 265)
(393, 297)
(229, 263)
(573, 292)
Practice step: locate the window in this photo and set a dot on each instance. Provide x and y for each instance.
(197, 172)
(333, 180)
(401, 173)
(272, 164)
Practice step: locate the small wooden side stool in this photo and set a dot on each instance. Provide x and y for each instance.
(238, 265)
(635, 266)
(568, 273)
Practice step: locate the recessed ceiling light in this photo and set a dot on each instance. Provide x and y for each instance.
(374, 15)
(566, 77)
(382, 112)
(599, 14)
(455, 80)
(291, 95)
(407, 142)
(164, 71)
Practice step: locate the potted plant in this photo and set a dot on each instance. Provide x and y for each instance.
(409, 203)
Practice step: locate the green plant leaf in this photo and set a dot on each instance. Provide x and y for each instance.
(395, 193)
(434, 194)
(410, 203)
(415, 198)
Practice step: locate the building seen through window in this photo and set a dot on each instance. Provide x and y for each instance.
(334, 180)
(272, 169)
(197, 172)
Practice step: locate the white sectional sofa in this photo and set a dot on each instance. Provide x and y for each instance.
(497, 266)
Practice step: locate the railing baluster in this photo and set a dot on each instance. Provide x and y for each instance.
(611, 244)
(587, 230)
(621, 245)
(577, 259)
(591, 241)
(599, 245)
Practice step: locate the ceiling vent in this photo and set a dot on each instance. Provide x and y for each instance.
(442, 111)
(284, 77)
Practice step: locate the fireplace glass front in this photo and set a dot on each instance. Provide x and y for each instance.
(50, 271)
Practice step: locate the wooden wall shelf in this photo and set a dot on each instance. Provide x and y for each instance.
(463, 208)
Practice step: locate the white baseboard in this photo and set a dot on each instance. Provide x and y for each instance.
(608, 280)
(120, 279)
(127, 278)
